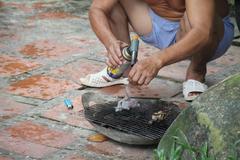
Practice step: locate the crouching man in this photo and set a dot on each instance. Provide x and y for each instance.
(199, 30)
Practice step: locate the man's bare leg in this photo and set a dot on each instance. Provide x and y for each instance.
(118, 22)
(135, 13)
(198, 66)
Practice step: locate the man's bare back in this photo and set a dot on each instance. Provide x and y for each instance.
(174, 9)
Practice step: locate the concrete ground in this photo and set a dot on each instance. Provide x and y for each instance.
(45, 47)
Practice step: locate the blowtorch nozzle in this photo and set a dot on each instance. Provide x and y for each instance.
(134, 58)
(134, 49)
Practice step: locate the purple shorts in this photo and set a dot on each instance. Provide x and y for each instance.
(164, 32)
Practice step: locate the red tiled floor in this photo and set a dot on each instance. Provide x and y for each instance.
(146, 51)
(84, 42)
(156, 89)
(2, 46)
(175, 71)
(117, 90)
(3, 157)
(8, 35)
(42, 87)
(38, 5)
(50, 49)
(32, 139)
(211, 69)
(178, 70)
(129, 152)
(230, 58)
(73, 117)
(18, 6)
(41, 5)
(4, 33)
(9, 108)
(75, 157)
(53, 15)
(1, 4)
(79, 69)
(12, 66)
(24, 147)
(39, 134)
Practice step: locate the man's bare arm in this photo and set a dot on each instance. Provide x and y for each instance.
(201, 16)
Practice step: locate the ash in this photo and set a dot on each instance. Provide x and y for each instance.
(126, 104)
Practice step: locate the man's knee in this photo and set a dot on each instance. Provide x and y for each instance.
(118, 15)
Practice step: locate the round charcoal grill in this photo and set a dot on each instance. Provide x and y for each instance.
(128, 126)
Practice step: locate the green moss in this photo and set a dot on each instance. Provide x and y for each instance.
(233, 81)
(215, 136)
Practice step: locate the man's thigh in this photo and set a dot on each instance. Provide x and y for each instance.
(138, 15)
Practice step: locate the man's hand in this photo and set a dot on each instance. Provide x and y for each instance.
(145, 70)
(115, 57)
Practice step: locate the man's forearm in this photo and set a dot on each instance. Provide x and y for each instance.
(101, 26)
(192, 43)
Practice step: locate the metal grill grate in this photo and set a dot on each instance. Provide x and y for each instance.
(134, 121)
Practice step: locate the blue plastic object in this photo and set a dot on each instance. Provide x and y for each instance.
(68, 103)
